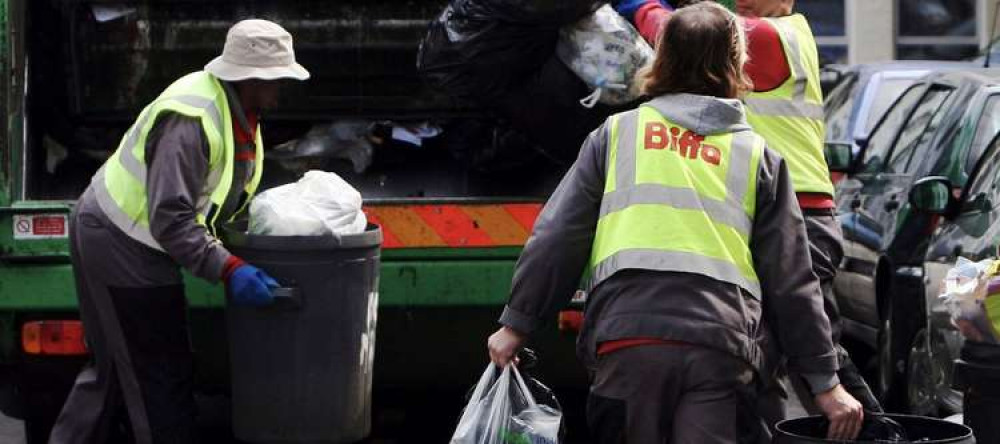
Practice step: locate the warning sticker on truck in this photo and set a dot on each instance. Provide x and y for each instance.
(41, 226)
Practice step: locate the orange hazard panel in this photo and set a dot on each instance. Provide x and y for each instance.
(448, 225)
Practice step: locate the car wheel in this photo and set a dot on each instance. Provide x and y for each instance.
(885, 370)
(895, 339)
(922, 377)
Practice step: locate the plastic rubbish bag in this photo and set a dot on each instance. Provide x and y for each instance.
(321, 203)
(479, 49)
(972, 297)
(347, 139)
(606, 52)
(502, 410)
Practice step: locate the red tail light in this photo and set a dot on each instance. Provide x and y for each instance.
(570, 321)
(64, 338)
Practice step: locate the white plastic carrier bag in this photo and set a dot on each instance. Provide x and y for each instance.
(502, 410)
(606, 52)
(321, 203)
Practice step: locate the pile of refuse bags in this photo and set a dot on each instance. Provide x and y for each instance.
(319, 204)
(531, 62)
(351, 140)
(479, 49)
(972, 296)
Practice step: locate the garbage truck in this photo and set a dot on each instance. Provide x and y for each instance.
(454, 187)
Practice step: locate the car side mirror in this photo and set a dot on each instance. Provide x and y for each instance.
(829, 78)
(861, 142)
(839, 156)
(931, 195)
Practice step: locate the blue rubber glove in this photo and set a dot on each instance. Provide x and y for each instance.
(249, 285)
(628, 8)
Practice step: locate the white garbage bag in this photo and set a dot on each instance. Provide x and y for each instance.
(321, 203)
(971, 294)
(606, 52)
(502, 410)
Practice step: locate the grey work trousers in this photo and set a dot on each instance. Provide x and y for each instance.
(138, 384)
(679, 394)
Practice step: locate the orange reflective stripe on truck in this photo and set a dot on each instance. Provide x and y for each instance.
(453, 225)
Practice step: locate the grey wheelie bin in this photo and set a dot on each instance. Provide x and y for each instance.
(977, 375)
(904, 429)
(301, 368)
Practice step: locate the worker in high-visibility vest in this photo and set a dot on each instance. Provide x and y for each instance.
(686, 230)
(190, 162)
(786, 108)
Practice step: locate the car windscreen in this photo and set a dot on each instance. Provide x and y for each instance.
(986, 129)
(883, 136)
(887, 91)
(838, 109)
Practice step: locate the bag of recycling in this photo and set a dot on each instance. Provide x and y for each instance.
(321, 203)
(972, 297)
(606, 52)
(503, 410)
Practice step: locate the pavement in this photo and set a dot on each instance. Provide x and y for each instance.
(12, 431)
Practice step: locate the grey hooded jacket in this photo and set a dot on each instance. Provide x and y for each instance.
(674, 305)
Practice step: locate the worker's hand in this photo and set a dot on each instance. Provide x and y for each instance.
(249, 285)
(843, 411)
(504, 345)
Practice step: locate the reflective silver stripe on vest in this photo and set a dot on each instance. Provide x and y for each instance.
(679, 261)
(118, 217)
(738, 179)
(730, 212)
(126, 155)
(797, 106)
(792, 38)
(784, 108)
(625, 159)
(680, 198)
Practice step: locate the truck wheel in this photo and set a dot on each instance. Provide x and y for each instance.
(42, 410)
(37, 431)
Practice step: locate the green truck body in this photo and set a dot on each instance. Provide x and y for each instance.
(437, 305)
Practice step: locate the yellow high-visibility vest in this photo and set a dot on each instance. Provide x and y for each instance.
(790, 117)
(677, 201)
(120, 185)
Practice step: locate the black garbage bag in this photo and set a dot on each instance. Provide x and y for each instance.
(875, 427)
(545, 107)
(878, 427)
(479, 49)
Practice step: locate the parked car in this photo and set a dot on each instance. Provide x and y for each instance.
(865, 91)
(969, 227)
(939, 126)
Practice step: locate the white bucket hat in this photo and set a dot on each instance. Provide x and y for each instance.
(257, 49)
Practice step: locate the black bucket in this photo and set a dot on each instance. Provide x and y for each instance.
(918, 429)
(301, 369)
(977, 375)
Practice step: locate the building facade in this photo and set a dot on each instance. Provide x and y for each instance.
(857, 31)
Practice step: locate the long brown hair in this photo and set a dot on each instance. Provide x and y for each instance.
(701, 51)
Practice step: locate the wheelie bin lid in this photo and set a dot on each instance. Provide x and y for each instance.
(812, 429)
(235, 234)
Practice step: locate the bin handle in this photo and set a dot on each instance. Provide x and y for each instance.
(286, 297)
